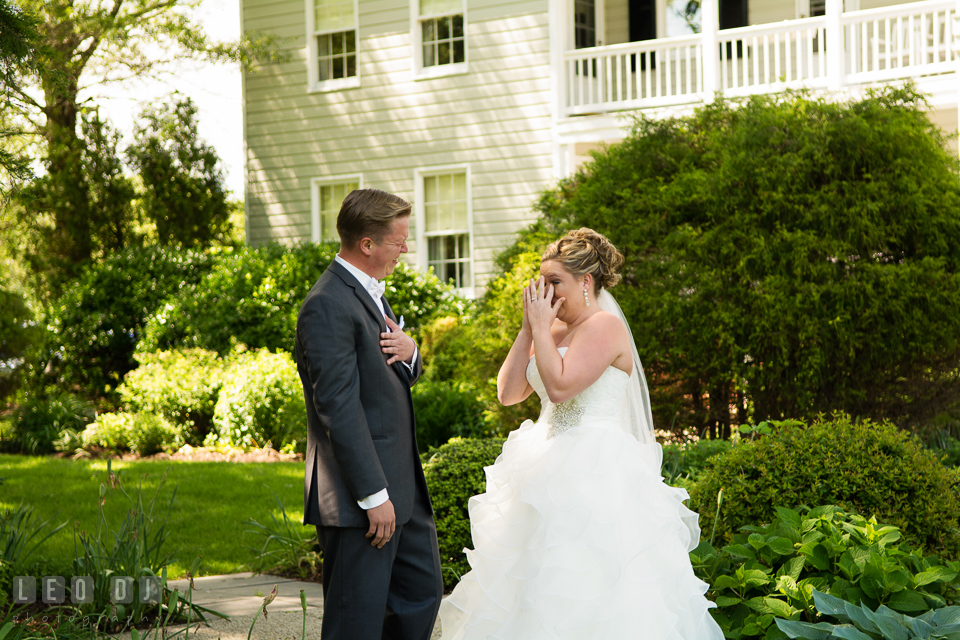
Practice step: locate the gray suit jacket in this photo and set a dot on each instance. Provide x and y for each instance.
(360, 423)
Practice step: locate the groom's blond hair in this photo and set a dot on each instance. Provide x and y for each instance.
(369, 213)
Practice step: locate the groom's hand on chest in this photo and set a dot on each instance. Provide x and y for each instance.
(398, 345)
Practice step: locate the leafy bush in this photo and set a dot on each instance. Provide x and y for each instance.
(150, 434)
(864, 467)
(39, 422)
(111, 431)
(770, 571)
(95, 326)
(683, 463)
(454, 474)
(18, 333)
(787, 254)
(872, 625)
(446, 410)
(182, 386)
(261, 402)
(253, 296)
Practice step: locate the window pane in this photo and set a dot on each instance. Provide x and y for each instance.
(429, 57)
(460, 216)
(351, 186)
(430, 189)
(326, 198)
(351, 41)
(430, 215)
(351, 66)
(458, 26)
(460, 186)
(334, 14)
(464, 245)
(328, 226)
(443, 28)
(465, 279)
(429, 31)
(337, 43)
(443, 53)
(433, 7)
(433, 250)
(458, 54)
(337, 68)
(446, 188)
(323, 45)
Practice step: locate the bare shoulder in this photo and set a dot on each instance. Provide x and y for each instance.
(606, 323)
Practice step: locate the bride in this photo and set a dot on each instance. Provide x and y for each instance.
(577, 535)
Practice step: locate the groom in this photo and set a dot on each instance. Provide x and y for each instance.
(364, 486)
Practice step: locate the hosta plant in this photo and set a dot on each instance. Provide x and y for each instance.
(863, 623)
(771, 571)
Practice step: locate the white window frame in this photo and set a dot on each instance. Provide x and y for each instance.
(315, 184)
(416, 41)
(313, 70)
(423, 253)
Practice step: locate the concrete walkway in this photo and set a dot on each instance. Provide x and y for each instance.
(240, 595)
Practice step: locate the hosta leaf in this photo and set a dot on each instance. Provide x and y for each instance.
(797, 629)
(920, 628)
(827, 604)
(857, 615)
(851, 633)
(887, 622)
(947, 615)
(907, 602)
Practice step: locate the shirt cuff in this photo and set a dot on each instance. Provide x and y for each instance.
(374, 500)
(413, 360)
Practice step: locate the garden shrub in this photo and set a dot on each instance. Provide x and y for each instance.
(261, 403)
(683, 463)
(454, 474)
(96, 325)
(865, 467)
(770, 571)
(181, 385)
(787, 254)
(39, 422)
(150, 434)
(446, 410)
(111, 432)
(252, 297)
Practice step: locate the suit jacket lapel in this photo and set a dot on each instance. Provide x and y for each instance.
(360, 292)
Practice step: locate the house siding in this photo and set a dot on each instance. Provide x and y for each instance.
(495, 118)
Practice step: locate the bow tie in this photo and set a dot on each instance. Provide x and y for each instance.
(376, 289)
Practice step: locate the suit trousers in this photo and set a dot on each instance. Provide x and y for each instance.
(402, 580)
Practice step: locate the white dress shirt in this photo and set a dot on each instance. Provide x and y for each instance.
(381, 496)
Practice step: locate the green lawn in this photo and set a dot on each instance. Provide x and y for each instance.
(212, 501)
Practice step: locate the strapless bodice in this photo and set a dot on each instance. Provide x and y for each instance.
(597, 405)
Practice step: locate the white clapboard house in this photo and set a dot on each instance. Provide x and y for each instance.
(469, 108)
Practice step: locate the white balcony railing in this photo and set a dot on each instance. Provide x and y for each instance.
(827, 52)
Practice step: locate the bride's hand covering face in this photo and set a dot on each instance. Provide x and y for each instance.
(541, 304)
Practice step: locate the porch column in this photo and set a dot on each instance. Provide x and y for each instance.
(834, 45)
(561, 13)
(710, 34)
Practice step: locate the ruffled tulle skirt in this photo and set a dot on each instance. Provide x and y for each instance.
(578, 537)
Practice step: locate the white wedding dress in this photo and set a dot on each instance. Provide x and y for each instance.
(577, 536)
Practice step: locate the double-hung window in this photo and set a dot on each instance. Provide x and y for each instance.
(333, 39)
(444, 225)
(326, 196)
(439, 34)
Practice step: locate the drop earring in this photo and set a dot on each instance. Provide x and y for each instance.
(585, 298)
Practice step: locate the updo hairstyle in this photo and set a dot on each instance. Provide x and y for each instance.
(585, 251)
